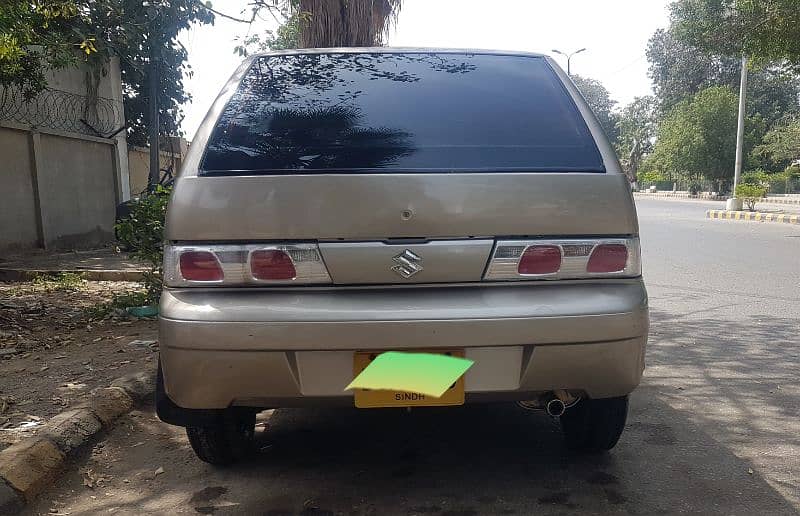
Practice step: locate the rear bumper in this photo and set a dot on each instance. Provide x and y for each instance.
(295, 347)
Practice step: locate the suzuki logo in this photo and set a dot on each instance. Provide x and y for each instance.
(408, 264)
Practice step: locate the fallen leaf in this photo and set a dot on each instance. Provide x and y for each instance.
(159, 471)
(749, 471)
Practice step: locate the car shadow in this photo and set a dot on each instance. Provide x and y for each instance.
(498, 459)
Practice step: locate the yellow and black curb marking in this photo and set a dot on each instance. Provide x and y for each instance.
(754, 216)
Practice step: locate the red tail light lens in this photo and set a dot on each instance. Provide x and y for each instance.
(200, 266)
(540, 259)
(272, 264)
(608, 258)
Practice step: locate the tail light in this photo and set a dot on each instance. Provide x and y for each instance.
(272, 264)
(540, 259)
(564, 259)
(200, 266)
(608, 258)
(242, 265)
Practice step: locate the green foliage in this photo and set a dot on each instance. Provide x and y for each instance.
(42, 35)
(698, 137)
(766, 30)
(781, 144)
(59, 282)
(600, 101)
(119, 302)
(652, 176)
(142, 231)
(750, 194)
(47, 24)
(680, 70)
(287, 36)
(636, 126)
(759, 177)
(126, 28)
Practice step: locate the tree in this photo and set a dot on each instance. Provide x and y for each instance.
(781, 144)
(602, 104)
(764, 30)
(679, 70)
(43, 35)
(698, 137)
(37, 36)
(346, 23)
(636, 126)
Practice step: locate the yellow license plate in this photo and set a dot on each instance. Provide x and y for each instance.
(368, 398)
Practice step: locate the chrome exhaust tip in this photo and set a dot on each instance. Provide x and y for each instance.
(555, 407)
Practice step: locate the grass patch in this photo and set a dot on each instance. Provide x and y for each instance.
(118, 302)
(59, 282)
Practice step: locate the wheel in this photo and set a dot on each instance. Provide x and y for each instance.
(595, 425)
(225, 441)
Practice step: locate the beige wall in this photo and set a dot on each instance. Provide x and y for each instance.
(139, 166)
(59, 189)
(76, 186)
(17, 208)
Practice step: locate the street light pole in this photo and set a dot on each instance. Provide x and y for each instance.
(569, 58)
(735, 204)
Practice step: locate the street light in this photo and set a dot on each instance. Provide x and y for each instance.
(569, 58)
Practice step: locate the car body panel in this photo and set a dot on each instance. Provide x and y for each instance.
(372, 207)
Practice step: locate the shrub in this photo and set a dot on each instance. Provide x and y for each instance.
(650, 176)
(142, 231)
(750, 194)
(756, 178)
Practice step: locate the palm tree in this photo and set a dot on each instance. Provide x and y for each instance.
(345, 23)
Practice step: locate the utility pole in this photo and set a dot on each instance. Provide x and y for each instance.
(569, 58)
(155, 174)
(735, 204)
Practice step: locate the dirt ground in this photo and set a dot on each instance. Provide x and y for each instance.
(54, 349)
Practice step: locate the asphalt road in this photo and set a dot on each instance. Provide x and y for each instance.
(714, 429)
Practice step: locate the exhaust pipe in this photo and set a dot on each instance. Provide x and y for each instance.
(555, 407)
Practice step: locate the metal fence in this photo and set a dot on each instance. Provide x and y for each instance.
(63, 111)
(788, 186)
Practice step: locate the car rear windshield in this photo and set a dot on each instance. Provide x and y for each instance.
(400, 112)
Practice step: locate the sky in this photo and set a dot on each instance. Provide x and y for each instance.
(614, 33)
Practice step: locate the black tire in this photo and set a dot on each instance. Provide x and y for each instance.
(595, 425)
(226, 441)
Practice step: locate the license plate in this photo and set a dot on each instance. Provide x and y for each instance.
(368, 398)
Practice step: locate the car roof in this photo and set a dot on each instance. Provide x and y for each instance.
(397, 50)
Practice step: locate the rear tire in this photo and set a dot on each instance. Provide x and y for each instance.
(595, 425)
(226, 441)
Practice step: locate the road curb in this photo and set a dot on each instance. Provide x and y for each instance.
(20, 275)
(756, 216)
(30, 466)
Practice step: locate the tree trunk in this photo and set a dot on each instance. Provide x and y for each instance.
(346, 23)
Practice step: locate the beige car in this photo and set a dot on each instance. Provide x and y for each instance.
(339, 203)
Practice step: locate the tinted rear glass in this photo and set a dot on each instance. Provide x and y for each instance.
(400, 112)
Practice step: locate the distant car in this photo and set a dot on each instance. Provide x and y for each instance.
(337, 204)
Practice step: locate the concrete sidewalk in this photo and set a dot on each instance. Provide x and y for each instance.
(94, 265)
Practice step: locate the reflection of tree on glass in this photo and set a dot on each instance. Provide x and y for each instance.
(318, 138)
(408, 111)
